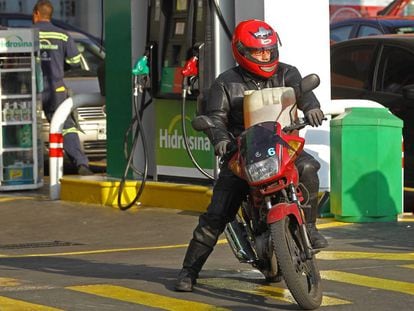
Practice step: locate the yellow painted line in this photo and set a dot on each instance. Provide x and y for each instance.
(323, 255)
(406, 219)
(284, 294)
(91, 252)
(103, 251)
(15, 198)
(332, 301)
(333, 224)
(143, 298)
(367, 281)
(332, 255)
(8, 304)
(408, 266)
(8, 282)
(272, 292)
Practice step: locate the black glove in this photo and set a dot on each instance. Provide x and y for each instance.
(315, 117)
(220, 148)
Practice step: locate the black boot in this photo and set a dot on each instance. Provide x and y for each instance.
(195, 257)
(185, 281)
(311, 212)
(317, 240)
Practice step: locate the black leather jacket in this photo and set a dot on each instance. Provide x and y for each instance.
(223, 103)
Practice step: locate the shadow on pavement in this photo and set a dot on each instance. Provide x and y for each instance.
(164, 276)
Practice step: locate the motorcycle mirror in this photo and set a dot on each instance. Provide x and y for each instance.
(309, 83)
(202, 123)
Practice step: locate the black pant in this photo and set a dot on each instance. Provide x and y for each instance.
(228, 193)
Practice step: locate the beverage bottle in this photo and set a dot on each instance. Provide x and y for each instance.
(17, 112)
(5, 112)
(26, 113)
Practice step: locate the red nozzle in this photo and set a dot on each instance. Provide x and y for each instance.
(190, 67)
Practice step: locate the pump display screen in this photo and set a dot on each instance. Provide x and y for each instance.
(181, 5)
(184, 26)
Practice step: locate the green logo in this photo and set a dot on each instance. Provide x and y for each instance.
(171, 139)
(170, 147)
(15, 41)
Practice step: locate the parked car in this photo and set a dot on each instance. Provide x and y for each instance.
(381, 69)
(370, 26)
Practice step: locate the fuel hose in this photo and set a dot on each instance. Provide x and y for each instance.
(140, 73)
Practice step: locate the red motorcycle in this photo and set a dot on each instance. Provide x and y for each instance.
(269, 231)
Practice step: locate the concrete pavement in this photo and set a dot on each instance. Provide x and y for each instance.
(63, 255)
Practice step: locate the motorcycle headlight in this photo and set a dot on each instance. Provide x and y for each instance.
(263, 169)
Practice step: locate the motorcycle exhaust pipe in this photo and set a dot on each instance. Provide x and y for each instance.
(236, 236)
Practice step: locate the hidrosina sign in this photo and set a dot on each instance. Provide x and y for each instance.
(18, 40)
(171, 155)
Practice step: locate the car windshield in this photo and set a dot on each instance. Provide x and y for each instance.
(18, 22)
(340, 33)
(406, 29)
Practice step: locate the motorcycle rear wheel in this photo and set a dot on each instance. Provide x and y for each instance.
(301, 275)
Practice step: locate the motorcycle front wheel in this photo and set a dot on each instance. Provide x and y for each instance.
(301, 275)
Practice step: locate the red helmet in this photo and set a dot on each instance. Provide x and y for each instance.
(252, 35)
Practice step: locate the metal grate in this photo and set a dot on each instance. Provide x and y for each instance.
(39, 245)
(91, 112)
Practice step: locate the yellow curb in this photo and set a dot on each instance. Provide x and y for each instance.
(104, 191)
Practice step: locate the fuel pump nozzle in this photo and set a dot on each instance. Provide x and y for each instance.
(141, 74)
(190, 70)
(141, 66)
(190, 74)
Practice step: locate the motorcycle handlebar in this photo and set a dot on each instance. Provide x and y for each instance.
(298, 125)
(231, 149)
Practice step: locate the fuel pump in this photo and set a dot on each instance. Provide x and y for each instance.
(173, 27)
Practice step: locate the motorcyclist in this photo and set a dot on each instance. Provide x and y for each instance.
(255, 48)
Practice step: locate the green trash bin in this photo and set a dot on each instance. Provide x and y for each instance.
(366, 165)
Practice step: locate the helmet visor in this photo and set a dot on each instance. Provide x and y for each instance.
(263, 55)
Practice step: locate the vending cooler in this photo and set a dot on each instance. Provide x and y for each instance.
(21, 147)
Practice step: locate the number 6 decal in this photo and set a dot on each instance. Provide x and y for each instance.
(271, 151)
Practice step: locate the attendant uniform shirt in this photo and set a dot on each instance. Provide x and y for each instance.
(56, 47)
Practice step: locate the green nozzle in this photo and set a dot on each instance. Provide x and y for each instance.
(141, 67)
